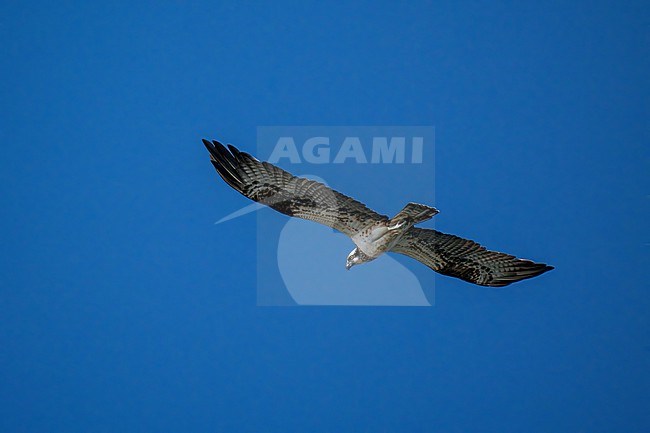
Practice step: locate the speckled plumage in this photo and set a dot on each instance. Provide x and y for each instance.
(288, 194)
(372, 233)
(465, 259)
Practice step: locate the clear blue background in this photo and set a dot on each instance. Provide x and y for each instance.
(123, 308)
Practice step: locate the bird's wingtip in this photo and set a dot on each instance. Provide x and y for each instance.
(207, 144)
(215, 147)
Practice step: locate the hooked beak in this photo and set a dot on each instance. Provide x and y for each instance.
(348, 266)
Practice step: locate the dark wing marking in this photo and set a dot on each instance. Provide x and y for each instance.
(286, 193)
(465, 259)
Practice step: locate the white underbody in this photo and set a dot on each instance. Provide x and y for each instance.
(378, 238)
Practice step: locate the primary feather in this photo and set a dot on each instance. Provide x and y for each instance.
(465, 259)
(373, 233)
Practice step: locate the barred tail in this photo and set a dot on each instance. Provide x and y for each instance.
(415, 213)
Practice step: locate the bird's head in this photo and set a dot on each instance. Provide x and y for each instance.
(354, 258)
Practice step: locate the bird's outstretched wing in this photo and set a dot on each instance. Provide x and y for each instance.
(286, 193)
(465, 259)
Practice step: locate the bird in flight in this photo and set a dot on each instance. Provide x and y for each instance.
(372, 233)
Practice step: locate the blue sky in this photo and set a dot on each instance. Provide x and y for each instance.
(124, 308)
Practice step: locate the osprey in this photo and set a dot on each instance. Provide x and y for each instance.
(372, 233)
